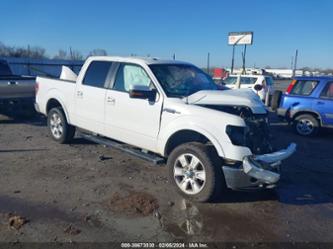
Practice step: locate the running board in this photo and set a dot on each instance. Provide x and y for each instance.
(157, 160)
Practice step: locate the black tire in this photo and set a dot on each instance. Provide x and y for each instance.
(275, 102)
(68, 131)
(214, 178)
(306, 120)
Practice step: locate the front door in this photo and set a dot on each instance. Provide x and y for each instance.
(324, 105)
(129, 120)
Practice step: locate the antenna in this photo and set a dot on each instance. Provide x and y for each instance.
(208, 62)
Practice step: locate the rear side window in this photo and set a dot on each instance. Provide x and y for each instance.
(304, 87)
(328, 91)
(96, 73)
(230, 80)
(248, 80)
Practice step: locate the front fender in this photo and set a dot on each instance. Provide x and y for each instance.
(213, 131)
(167, 133)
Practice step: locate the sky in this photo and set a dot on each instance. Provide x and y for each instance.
(188, 28)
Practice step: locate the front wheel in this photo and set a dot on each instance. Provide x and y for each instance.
(60, 130)
(195, 172)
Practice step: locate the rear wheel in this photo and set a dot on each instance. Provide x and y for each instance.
(195, 172)
(59, 129)
(306, 125)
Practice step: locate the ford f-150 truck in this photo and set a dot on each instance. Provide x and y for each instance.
(212, 139)
(14, 88)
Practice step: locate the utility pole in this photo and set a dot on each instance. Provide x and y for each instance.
(295, 63)
(233, 59)
(244, 56)
(296, 57)
(29, 56)
(208, 62)
(71, 52)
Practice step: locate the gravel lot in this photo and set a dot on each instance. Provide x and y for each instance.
(86, 192)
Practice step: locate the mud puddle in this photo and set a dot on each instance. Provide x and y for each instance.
(189, 220)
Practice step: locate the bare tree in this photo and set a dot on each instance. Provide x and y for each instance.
(98, 52)
(62, 55)
(75, 55)
(36, 52)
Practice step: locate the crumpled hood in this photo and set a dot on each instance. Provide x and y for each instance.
(238, 97)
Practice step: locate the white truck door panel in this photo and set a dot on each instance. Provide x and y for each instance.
(90, 97)
(90, 108)
(130, 120)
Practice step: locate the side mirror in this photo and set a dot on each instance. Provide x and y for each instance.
(142, 92)
(258, 87)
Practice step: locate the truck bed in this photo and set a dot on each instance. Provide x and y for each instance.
(47, 86)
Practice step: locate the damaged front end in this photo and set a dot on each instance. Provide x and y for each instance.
(262, 168)
(255, 171)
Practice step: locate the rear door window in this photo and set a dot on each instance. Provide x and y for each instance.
(230, 80)
(97, 73)
(304, 87)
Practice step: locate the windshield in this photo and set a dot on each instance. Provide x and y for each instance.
(181, 80)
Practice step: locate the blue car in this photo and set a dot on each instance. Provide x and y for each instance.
(308, 104)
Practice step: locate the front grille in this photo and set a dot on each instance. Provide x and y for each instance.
(258, 136)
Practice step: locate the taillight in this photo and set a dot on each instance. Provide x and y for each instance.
(291, 86)
(36, 88)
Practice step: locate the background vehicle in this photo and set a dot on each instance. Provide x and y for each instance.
(211, 138)
(308, 104)
(15, 89)
(250, 81)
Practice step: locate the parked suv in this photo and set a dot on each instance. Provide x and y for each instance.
(308, 104)
(260, 84)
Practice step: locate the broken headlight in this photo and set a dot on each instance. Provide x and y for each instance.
(237, 134)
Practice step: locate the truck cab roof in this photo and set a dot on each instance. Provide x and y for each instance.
(138, 60)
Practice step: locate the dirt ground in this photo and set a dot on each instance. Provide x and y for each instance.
(87, 192)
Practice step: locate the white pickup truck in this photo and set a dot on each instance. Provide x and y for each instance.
(212, 138)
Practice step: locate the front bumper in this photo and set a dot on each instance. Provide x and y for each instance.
(281, 112)
(257, 171)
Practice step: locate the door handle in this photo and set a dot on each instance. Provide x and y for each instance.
(110, 100)
(79, 94)
(320, 102)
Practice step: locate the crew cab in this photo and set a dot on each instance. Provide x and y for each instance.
(308, 104)
(212, 139)
(15, 89)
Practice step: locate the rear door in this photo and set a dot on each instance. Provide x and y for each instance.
(324, 105)
(129, 120)
(90, 96)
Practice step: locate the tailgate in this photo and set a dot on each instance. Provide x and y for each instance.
(17, 87)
